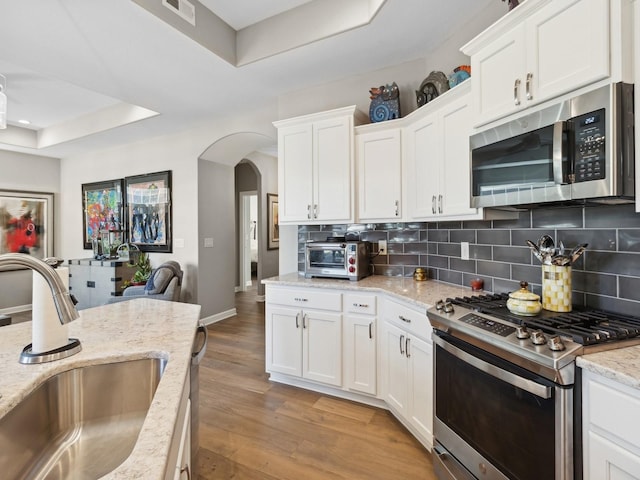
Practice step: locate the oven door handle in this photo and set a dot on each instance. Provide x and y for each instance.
(530, 386)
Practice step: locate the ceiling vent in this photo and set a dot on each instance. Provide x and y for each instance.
(183, 8)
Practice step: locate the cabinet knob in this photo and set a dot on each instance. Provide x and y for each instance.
(516, 92)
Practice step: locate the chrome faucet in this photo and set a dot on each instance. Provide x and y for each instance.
(62, 300)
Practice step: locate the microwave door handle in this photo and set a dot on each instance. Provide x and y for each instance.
(558, 131)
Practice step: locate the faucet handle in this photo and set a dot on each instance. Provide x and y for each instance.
(54, 262)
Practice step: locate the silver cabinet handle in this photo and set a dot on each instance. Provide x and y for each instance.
(407, 343)
(186, 470)
(298, 320)
(397, 208)
(433, 204)
(529, 94)
(401, 342)
(439, 203)
(404, 319)
(371, 330)
(315, 210)
(516, 92)
(308, 211)
(304, 321)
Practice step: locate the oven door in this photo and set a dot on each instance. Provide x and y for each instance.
(326, 259)
(496, 420)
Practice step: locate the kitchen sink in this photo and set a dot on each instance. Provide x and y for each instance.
(80, 424)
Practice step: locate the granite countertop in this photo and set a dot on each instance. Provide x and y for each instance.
(140, 328)
(621, 365)
(422, 294)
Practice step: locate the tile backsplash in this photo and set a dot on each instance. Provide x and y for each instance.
(607, 276)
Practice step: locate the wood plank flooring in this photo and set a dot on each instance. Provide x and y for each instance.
(254, 429)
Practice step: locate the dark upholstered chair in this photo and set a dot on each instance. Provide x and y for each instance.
(164, 284)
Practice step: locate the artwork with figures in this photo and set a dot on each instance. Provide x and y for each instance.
(25, 223)
(149, 211)
(102, 208)
(274, 226)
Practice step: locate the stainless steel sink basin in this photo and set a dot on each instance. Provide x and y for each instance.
(79, 424)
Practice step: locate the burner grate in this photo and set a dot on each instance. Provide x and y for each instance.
(583, 326)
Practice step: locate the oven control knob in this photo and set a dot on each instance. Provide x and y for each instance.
(439, 305)
(352, 260)
(448, 307)
(537, 337)
(522, 333)
(352, 269)
(555, 344)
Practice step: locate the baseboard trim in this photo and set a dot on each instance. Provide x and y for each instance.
(219, 316)
(16, 309)
(260, 298)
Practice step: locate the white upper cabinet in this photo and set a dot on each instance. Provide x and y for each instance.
(315, 167)
(379, 172)
(544, 49)
(436, 158)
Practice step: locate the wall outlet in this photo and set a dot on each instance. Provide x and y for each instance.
(382, 247)
(464, 250)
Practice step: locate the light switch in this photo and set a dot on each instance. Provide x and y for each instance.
(464, 250)
(178, 242)
(208, 243)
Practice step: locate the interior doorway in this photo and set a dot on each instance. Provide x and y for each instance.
(248, 247)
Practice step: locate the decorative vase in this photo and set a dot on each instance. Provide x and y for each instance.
(556, 288)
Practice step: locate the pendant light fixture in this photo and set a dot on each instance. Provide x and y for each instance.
(3, 102)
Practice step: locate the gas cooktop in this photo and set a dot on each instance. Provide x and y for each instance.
(549, 341)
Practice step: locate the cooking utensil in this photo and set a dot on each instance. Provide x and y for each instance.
(534, 249)
(577, 251)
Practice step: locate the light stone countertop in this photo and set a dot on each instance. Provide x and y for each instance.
(621, 365)
(421, 294)
(130, 330)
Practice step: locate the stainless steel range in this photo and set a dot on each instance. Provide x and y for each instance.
(506, 387)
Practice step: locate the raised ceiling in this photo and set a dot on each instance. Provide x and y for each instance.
(78, 69)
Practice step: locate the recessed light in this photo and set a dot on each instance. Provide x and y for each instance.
(24, 122)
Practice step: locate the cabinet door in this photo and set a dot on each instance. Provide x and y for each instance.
(607, 460)
(360, 353)
(422, 179)
(497, 69)
(420, 355)
(568, 47)
(322, 347)
(379, 175)
(283, 338)
(332, 171)
(183, 467)
(295, 172)
(396, 372)
(79, 276)
(456, 164)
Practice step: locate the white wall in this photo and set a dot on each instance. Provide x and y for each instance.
(22, 172)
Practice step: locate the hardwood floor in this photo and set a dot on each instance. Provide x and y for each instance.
(254, 429)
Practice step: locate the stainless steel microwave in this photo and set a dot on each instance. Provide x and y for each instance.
(337, 259)
(578, 149)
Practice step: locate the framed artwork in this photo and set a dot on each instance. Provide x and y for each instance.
(148, 200)
(26, 223)
(272, 220)
(102, 209)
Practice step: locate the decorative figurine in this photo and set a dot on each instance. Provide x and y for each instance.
(385, 103)
(432, 86)
(512, 4)
(459, 75)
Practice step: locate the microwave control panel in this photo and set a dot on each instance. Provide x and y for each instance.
(589, 146)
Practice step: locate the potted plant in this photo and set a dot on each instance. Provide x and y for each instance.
(142, 273)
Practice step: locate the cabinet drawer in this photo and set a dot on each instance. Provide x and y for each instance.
(359, 303)
(611, 406)
(412, 319)
(316, 298)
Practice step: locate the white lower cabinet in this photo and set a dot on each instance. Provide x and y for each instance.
(183, 467)
(304, 340)
(611, 437)
(360, 343)
(407, 362)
